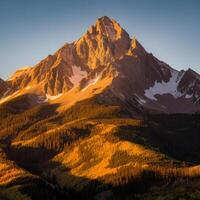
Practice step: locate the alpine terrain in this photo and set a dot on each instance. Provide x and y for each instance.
(101, 118)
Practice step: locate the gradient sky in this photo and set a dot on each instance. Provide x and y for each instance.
(32, 29)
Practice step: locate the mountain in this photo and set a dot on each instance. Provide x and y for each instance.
(100, 119)
(105, 59)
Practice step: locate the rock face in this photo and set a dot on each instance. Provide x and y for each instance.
(102, 44)
(190, 85)
(3, 87)
(106, 50)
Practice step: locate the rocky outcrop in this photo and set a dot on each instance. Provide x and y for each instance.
(190, 85)
(3, 87)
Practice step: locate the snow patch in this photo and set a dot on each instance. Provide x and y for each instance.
(140, 100)
(91, 82)
(49, 97)
(188, 96)
(77, 75)
(169, 87)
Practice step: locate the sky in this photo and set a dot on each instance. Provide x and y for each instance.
(32, 29)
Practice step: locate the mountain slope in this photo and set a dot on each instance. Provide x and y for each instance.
(94, 147)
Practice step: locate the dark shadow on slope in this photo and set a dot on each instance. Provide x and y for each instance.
(35, 188)
(21, 104)
(76, 187)
(128, 181)
(30, 157)
(177, 135)
(12, 124)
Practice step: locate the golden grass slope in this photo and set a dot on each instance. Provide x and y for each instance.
(100, 154)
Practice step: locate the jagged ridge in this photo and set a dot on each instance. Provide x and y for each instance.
(105, 57)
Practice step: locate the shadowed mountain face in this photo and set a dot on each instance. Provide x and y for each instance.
(100, 119)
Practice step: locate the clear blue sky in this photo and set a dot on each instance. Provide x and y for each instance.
(32, 29)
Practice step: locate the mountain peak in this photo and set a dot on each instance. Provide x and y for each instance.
(104, 19)
(103, 42)
(107, 28)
